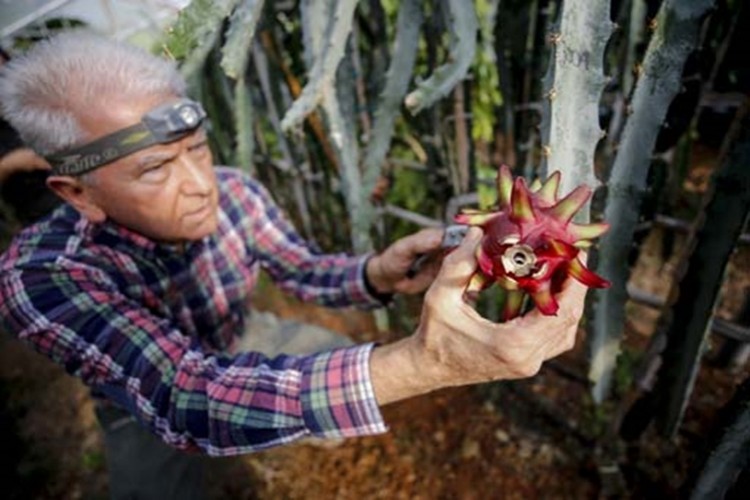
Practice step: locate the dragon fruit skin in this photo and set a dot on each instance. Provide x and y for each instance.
(530, 245)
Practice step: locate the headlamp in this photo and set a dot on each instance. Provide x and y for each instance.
(163, 124)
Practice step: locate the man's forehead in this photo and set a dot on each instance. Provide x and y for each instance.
(117, 113)
(156, 152)
(164, 151)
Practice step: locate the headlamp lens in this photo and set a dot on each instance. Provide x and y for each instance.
(189, 116)
(174, 120)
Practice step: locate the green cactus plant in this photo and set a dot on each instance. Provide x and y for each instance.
(675, 37)
(332, 18)
(235, 57)
(463, 32)
(574, 86)
(397, 81)
(724, 217)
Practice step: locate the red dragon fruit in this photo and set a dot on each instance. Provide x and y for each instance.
(530, 244)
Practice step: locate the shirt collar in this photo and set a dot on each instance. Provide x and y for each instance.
(110, 232)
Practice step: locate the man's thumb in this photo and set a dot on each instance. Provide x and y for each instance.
(461, 263)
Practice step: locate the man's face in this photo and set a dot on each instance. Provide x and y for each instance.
(166, 192)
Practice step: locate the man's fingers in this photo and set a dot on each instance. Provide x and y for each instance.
(423, 241)
(23, 159)
(564, 340)
(460, 264)
(572, 297)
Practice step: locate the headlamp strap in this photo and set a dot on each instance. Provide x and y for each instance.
(78, 161)
(163, 124)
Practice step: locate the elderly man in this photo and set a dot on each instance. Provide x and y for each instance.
(138, 284)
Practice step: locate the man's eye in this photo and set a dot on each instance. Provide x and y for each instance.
(199, 147)
(154, 171)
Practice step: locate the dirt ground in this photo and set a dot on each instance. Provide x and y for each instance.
(530, 439)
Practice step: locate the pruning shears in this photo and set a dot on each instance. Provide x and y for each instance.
(452, 236)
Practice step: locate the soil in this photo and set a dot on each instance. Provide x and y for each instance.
(529, 439)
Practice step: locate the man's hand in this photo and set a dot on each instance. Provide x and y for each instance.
(454, 345)
(387, 271)
(21, 160)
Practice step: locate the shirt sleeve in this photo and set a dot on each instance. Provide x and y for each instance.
(192, 400)
(333, 280)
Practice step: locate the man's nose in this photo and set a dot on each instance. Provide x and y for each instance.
(196, 178)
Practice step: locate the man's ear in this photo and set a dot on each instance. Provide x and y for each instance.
(78, 194)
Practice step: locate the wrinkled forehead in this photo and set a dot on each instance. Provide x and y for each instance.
(163, 152)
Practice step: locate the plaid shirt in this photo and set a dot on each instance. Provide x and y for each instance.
(151, 326)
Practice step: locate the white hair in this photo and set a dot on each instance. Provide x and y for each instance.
(44, 91)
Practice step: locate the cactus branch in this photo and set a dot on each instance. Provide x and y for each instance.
(464, 27)
(573, 99)
(678, 24)
(636, 29)
(195, 33)
(399, 73)
(236, 50)
(725, 215)
(243, 117)
(397, 82)
(337, 99)
(235, 57)
(313, 120)
(728, 449)
(262, 69)
(324, 66)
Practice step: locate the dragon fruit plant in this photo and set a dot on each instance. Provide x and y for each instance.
(530, 245)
